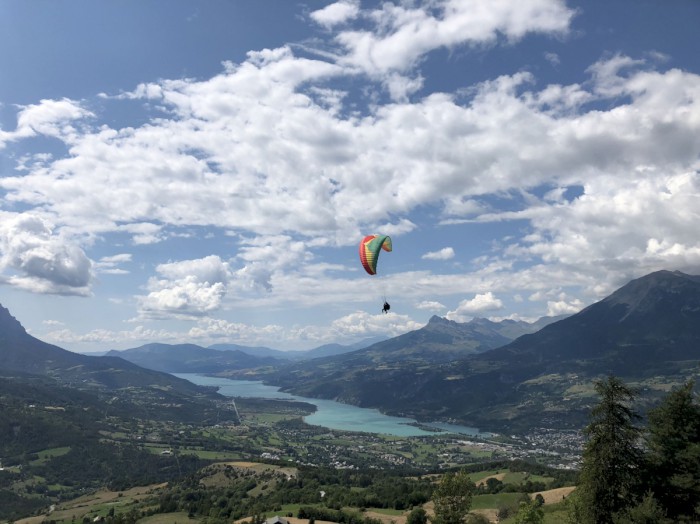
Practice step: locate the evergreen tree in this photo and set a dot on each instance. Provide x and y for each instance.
(674, 454)
(453, 498)
(648, 511)
(610, 473)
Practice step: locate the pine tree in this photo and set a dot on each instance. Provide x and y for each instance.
(612, 459)
(674, 454)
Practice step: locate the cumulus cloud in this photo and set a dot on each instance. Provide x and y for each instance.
(361, 323)
(114, 338)
(211, 329)
(403, 33)
(446, 253)
(266, 256)
(336, 13)
(186, 288)
(480, 304)
(286, 154)
(430, 305)
(48, 117)
(207, 331)
(41, 260)
(562, 307)
(298, 166)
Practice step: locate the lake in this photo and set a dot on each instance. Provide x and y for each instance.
(331, 414)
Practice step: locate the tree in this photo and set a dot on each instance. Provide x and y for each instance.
(530, 513)
(674, 454)
(417, 516)
(648, 511)
(453, 498)
(612, 459)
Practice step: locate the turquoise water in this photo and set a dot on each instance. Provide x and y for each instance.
(331, 414)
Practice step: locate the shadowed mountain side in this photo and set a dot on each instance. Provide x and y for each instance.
(439, 341)
(652, 319)
(390, 374)
(325, 350)
(157, 395)
(647, 332)
(190, 358)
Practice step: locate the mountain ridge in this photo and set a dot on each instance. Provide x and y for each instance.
(189, 358)
(152, 393)
(648, 331)
(319, 351)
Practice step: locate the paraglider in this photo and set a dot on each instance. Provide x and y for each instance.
(370, 247)
(369, 251)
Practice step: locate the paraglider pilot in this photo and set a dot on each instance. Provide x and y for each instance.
(386, 307)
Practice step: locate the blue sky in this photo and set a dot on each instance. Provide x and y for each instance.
(203, 172)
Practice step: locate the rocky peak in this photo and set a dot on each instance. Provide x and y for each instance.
(9, 325)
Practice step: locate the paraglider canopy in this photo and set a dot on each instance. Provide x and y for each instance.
(369, 251)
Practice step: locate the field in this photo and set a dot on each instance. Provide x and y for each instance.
(554, 496)
(101, 502)
(168, 518)
(95, 504)
(274, 432)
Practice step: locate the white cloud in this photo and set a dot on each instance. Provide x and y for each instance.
(210, 330)
(552, 58)
(291, 165)
(336, 13)
(481, 303)
(446, 253)
(562, 307)
(40, 260)
(287, 156)
(363, 324)
(430, 305)
(622, 228)
(110, 338)
(109, 264)
(207, 331)
(403, 34)
(48, 117)
(267, 256)
(189, 288)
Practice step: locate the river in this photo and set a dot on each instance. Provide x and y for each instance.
(331, 414)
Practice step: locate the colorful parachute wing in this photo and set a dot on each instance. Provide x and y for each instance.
(369, 251)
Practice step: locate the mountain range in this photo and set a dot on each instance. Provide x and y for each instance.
(222, 358)
(326, 350)
(647, 333)
(441, 340)
(498, 376)
(157, 395)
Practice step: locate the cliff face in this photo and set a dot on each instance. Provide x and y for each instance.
(9, 325)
